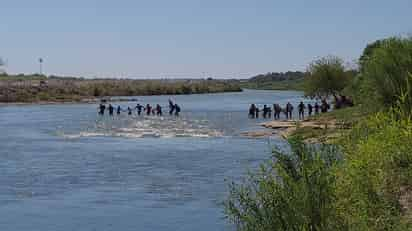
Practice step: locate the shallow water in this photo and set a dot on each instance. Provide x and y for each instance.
(63, 167)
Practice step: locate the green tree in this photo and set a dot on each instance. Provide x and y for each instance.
(326, 77)
(386, 73)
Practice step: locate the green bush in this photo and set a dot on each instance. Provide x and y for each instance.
(293, 192)
(386, 74)
(326, 77)
(377, 165)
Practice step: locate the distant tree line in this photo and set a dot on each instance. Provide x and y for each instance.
(34, 88)
(278, 76)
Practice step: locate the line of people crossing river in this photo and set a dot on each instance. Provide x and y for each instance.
(266, 111)
(174, 109)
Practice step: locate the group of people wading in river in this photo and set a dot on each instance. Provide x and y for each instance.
(174, 109)
(254, 111)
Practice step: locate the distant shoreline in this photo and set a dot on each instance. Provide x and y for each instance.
(54, 90)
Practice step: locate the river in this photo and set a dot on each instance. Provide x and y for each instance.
(63, 167)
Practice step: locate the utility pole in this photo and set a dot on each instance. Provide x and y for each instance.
(41, 66)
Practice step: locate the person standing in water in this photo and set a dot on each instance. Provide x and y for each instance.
(177, 109)
(158, 110)
(289, 110)
(119, 109)
(139, 109)
(301, 108)
(252, 109)
(277, 110)
(102, 107)
(310, 108)
(129, 111)
(111, 109)
(316, 108)
(256, 112)
(172, 107)
(148, 109)
(265, 111)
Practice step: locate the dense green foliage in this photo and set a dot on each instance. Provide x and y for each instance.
(326, 77)
(386, 73)
(295, 192)
(361, 182)
(361, 186)
(40, 88)
(276, 81)
(375, 175)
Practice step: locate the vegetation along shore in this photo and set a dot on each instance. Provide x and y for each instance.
(38, 88)
(358, 175)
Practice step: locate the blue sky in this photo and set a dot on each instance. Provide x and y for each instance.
(190, 38)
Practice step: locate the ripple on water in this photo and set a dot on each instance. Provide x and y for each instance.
(146, 127)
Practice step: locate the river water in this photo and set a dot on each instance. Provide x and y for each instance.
(63, 167)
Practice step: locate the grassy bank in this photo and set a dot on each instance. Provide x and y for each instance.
(36, 88)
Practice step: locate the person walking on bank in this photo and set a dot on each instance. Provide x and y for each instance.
(310, 108)
(301, 108)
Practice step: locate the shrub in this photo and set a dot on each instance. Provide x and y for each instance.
(326, 77)
(386, 73)
(377, 164)
(293, 192)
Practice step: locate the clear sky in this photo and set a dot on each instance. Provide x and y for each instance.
(190, 38)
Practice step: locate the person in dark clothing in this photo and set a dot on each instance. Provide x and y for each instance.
(310, 108)
(148, 109)
(324, 107)
(256, 112)
(276, 111)
(129, 111)
(111, 109)
(158, 110)
(265, 111)
(119, 109)
(102, 107)
(316, 108)
(177, 109)
(172, 107)
(289, 110)
(139, 109)
(252, 109)
(301, 108)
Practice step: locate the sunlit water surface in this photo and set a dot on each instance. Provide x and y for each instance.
(63, 167)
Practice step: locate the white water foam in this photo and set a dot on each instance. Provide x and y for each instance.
(148, 127)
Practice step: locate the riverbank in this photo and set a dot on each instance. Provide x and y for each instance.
(38, 89)
(319, 128)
